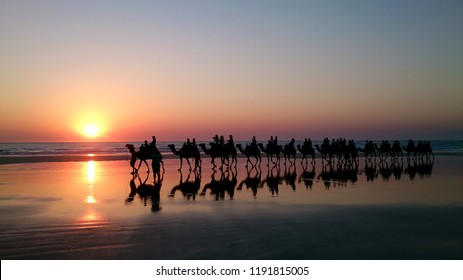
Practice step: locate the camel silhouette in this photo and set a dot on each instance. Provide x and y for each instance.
(422, 150)
(214, 152)
(384, 150)
(396, 150)
(325, 151)
(410, 148)
(290, 151)
(350, 153)
(270, 151)
(222, 152)
(368, 150)
(249, 152)
(306, 150)
(185, 153)
(230, 151)
(143, 155)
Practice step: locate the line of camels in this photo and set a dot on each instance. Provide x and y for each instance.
(340, 149)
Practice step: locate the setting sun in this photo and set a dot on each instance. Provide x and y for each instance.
(91, 130)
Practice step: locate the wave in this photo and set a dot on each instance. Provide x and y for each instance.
(119, 149)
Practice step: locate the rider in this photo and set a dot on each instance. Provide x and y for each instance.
(222, 141)
(230, 140)
(153, 143)
(275, 142)
(216, 139)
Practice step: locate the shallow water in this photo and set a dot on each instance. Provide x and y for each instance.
(89, 210)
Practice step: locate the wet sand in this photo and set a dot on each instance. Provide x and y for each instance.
(83, 210)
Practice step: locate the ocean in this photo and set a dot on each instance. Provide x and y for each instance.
(119, 149)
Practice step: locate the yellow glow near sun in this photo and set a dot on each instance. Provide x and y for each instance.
(91, 130)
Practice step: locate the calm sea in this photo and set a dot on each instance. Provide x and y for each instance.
(118, 148)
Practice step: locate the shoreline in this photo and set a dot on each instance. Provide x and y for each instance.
(78, 158)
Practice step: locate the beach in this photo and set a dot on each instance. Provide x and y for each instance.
(89, 210)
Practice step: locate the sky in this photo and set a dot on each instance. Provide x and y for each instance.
(178, 69)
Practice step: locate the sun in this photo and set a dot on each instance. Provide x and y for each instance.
(91, 130)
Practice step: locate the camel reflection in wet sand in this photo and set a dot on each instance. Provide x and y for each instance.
(190, 187)
(339, 174)
(307, 176)
(253, 179)
(395, 168)
(273, 180)
(146, 191)
(225, 185)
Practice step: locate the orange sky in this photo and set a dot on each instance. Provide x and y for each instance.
(379, 70)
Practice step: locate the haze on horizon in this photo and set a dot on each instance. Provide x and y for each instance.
(178, 69)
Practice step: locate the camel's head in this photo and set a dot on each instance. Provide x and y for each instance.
(129, 146)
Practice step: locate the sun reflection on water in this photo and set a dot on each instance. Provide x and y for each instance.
(91, 179)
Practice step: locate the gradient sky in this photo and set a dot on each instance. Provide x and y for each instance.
(177, 69)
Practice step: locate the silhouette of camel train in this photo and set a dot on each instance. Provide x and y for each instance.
(341, 150)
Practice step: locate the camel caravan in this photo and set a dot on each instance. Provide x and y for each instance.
(340, 150)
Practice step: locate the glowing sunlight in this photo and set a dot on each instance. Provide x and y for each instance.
(91, 130)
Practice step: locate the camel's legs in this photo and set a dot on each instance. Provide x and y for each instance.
(188, 161)
(147, 166)
(181, 163)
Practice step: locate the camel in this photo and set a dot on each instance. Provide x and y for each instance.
(396, 150)
(289, 151)
(142, 155)
(420, 150)
(384, 150)
(270, 151)
(325, 151)
(306, 150)
(368, 149)
(230, 151)
(224, 153)
(410, 148)
(423, 149)
(249, 152)
(350, 153)
(214, 152)
(187, 153)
